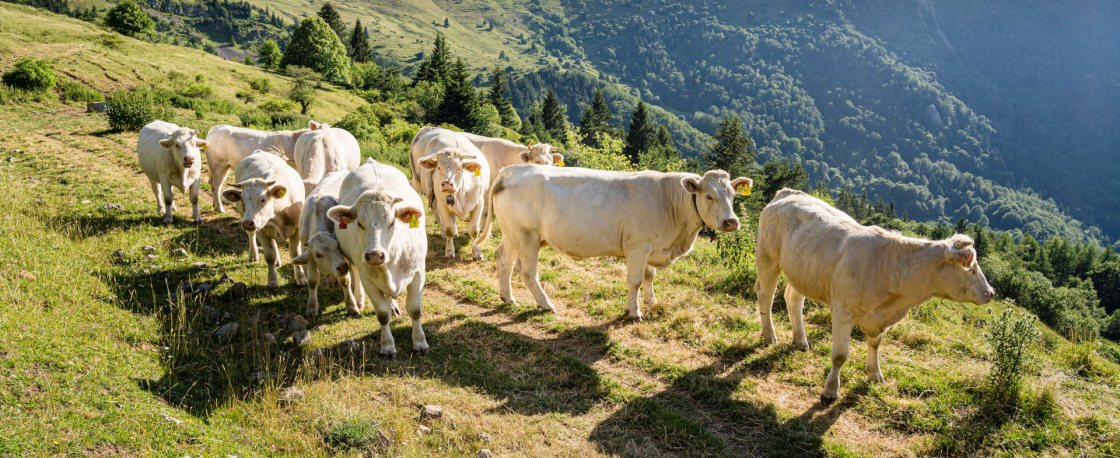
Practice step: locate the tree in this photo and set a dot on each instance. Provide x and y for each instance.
(314, 45)
(127, 18)
(778, 174)
(496, 96)
(31, 74)
(360, 50)
(302, 91)
(268, 55)
(596, 120)
(552, 116)
(446, 23)
(460, 102)
(642, 134)
(733, 150)
(437, 65)
(334, 20)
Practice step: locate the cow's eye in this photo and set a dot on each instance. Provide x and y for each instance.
(709, 196)
(392, 224)
(318, 255)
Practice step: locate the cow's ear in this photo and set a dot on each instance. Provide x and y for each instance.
(472, 166)
(278, 191)
(429, 161)
(526, 157)
(202, 144)
(556, 148)
(965, 257)
(961, 241)
(406, 214)
(557, 158)
(232, 195)
(691, 184)
(341, 214)
(302, 259)
(741, 182)
(314, 125)
(167, 142)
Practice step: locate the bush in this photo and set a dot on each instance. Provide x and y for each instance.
(352, 434)
(1011, 335)
(111, 40)
(255, 119)
(127, 18)
(198, 91)
(10, 94)
(277, 106)
(262, 85)
(73, 91)
(289, 121)
(131, 110)
(31, 74)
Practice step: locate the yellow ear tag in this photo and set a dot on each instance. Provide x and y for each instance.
(205, 147)
(745, 190)
(560, 164)
(415, 223)
(280, 193)
(478, 171)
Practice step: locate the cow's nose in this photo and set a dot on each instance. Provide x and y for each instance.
(990, 294)
(446, 186)
(375, 257)
(730, 224)
(342, 268)
(249, 225)
(188, 161)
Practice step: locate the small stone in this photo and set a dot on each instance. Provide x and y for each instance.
(422, 430)
(351, 347)
(431, 412)
(484, 437)
(298, 323)
(186, 286)
(383, 440)
(201, 265)
(290, 395)
(253, 322)
(118, 254)
(268, 337)
(319, 355)
(150, 257)
(226, 332)
(148, 248)
(203, 287)
(485, 453)
(225, 279)
(172, 419)
(11, 159)
(112, 207)
(256, 376)
(180, 252)
(209, 312)
(302, 338)
(85, 202)
(239, 290)
(26, 275)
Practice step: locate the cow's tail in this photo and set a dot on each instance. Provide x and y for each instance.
(484, 232)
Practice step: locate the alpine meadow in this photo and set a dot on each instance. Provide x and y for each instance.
(537, 228)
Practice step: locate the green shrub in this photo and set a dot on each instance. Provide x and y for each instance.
(353, 434)
(278, 106)
(111, 40)
(1011, 335)
(131, 110)
(10, 94)
(262, 85)
(255, 119)
(73, 91)
(365, 122)
(197, 91)
(289, 121)
(31, 74)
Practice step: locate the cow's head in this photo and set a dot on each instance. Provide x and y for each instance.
(185, 146)
(312, 125)
(377, 217)
(713, 194)
(257, 198)
(452, 167)
(322, 247)
(958, 275)
(541, 154)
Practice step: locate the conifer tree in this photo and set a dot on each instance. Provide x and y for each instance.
(360, 50)
(460, 102)
(437, 65)
(596, 119)
(333, 19)
(497, 96)
(733, 150)
(642, 134)
(552, 116)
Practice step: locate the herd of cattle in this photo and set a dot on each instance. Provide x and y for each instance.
(364, 224)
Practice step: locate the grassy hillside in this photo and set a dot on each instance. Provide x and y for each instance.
(104, 354)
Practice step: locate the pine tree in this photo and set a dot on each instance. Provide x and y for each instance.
(446, 23)
(360, 50)
(733, 150)
(333, 19)
(596, 120)
(497, 97)
(642, 134)
(460, 102)
(437, 65)
(552, 116)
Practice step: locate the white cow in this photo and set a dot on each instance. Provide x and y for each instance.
(324, 150)
(501, 153)
(230, 145)
(171, 156)
(321, 252)
(868, 276)
(381, 230)
(269, 196)
(649, 218)
(454, 175)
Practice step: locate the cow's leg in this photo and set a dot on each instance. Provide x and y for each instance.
(529, 254)
(637, 261)
(195, 214)
(647, 286)
(158, 194)
(271, 257)
(347, 293)
(795, 302)
(168, 199)
(253, 256)
(384, 310)
(473, 228)
(312, 289)
(355, 308)
(218, 171)
(293, 251)
(412, 304)
(505, 259)
(765, 287)
(841, 337)
(872, 368)
(447, 223)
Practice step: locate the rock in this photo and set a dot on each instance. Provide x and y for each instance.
(485, 453)
(226, 332)
(290, 395)
(351, 347)
(11, 159)
(383, 440)
(180, 252)
(26, 275)
(203, 287)
(172, 419)
(422, 430)
(257, 376)
(239, 290)
(96, 107)
(209, 312)
(253, 322)
(118, 255)
(201, 265)
(484, 437)
(225, 279)
(302, 338)
(319, 355)
(297, 323)
(148, 248)
(186, 286)
(431, 412)
(112, 207)
(268, 337)
(150, 257)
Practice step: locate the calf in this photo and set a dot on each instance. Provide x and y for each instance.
(324, 150)
(649, 218)
(381, 229)
(462, 175)
(868, 276)
(171, 156)
(229, 145)
(269, 195)
(321, 253)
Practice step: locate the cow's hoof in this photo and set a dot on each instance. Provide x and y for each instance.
(168, 220)
(301, 282)
(769, 340)
(449, 255)
(802, 345)
(636, 317)
(420, 352)
(828, 399)
(875, 378)
(354, 313)
(198, 220)
(311, 312)
(509, 301)
(273, 284)
(389, 355)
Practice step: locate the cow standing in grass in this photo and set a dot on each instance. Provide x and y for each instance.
(269, 195)
(454, 175)
(171, 156)
(648, 218)
(324, 150)
(229, 145)
(321, 252)
(868, 276)
(381, 230)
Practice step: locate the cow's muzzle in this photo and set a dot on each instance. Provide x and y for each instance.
(342, 269)
(375, 257)
(447, 187)
(249, 225)
(188, 162)
(729, 225)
